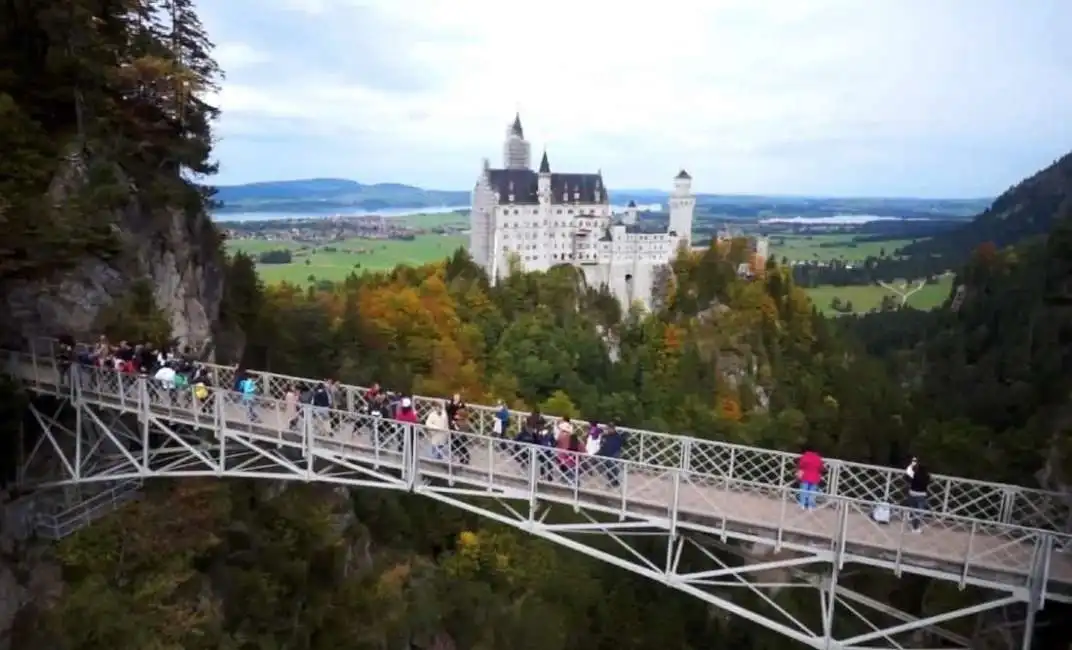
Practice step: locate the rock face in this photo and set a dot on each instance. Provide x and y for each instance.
(176, 253)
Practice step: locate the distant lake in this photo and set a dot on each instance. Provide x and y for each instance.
(328, 212)
(334, 210)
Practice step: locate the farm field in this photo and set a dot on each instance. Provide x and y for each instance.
(434, 220)
(335, 261)
(830, 247)
(867, 297)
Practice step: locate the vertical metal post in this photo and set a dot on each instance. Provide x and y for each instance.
(835, 572)
(219, 422)
(33, 361)
(1036, 593)
(1008, 501)
(411, 458)
(533, 481)
(307, 439)
(833, 485)
(78, 433)
(732, 467)
(143, 419)
(672, 533)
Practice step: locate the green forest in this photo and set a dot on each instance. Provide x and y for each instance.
(979, 391)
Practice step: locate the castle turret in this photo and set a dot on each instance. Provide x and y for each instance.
(516, 151)
(682, 206)
(630, 216)
(543, 187)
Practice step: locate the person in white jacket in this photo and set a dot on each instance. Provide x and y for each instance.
(437, 426)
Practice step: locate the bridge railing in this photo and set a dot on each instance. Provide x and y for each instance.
(988, 501)
(58, 525)
(679, 497)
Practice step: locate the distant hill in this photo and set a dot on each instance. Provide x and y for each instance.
(329, 195)
(1026, 210)
(322, 194)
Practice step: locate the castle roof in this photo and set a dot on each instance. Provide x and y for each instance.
(524, 185)
(545, 167)
(632, 204)
(516, 129)
(683, 175)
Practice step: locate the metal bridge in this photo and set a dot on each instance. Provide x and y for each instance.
(698, 498)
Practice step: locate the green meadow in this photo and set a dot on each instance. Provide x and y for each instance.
(867, 297)
(337, 260)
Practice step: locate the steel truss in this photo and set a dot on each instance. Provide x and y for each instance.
(716, 582)
(107, 445)
(86, 442)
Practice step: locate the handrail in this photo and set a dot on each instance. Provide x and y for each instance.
(977, 547)
(983, 500)
(56, 526)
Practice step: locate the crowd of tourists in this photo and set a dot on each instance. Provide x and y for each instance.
(169, 365)
(563, 451)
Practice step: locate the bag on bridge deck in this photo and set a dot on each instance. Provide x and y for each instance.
(881, 513)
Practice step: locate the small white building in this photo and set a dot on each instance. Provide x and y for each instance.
(547, 218)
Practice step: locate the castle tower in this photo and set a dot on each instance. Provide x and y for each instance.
(682, 206)
(516, 151)
(543, 187)
(630, 216)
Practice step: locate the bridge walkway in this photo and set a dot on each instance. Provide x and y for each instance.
(1023, 562)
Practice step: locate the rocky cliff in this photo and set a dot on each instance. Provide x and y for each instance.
(176, 252)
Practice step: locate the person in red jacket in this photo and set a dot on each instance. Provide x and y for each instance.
(406, 412)
(809, 474)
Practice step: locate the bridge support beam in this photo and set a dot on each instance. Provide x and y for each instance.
(82, 441)
(673, 524)
(843, 620)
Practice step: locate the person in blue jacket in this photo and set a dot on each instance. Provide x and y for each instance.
(610, 448)
(248, 387)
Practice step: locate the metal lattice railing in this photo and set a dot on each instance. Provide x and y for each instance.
(981, 500)
(714, 503)
(85, 511)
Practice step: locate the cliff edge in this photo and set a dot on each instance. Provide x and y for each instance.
(176, 252)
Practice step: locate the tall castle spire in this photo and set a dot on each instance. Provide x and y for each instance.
(516, 153)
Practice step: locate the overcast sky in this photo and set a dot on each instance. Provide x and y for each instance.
(957, 98)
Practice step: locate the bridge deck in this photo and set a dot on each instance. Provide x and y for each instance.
(951, 545)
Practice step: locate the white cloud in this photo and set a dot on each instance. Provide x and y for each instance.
(237, 56)
(839, 96)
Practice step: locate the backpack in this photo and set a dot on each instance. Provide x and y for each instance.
(881, 513)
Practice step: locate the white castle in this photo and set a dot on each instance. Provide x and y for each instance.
(545, 218)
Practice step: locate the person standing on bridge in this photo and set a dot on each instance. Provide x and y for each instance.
(248, 387)
(809, 474)
(919, 481)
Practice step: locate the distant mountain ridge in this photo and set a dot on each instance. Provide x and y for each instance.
(1028, 209)
(338, 194)
(326, 193)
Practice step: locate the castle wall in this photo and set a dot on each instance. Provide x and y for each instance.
(629, 281)
(482, 224)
